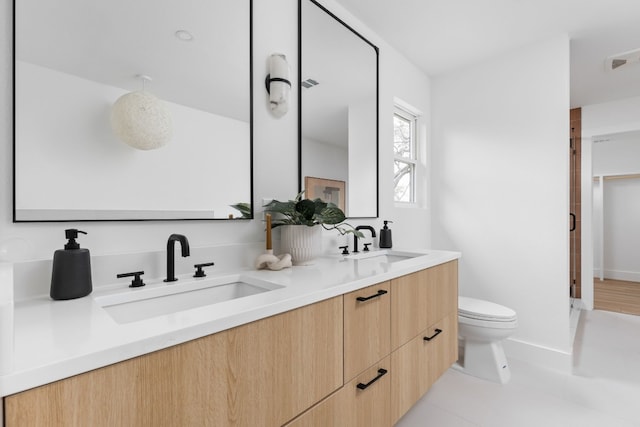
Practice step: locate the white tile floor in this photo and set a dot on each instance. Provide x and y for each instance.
(602, 391)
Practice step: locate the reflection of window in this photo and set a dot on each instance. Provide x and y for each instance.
(405, 156)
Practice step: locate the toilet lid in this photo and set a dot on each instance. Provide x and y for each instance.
(484, 310)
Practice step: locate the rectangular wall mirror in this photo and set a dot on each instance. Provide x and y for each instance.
(338, 111)
(73, 59)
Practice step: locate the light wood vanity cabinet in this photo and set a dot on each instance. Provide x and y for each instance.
(359, 359)
(260, 374)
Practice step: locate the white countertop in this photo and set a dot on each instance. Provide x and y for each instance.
(58, 339)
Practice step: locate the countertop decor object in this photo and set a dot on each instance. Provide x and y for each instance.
(268, 260)
(71, 269)
(299, 217)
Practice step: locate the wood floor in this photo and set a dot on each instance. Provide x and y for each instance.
(617, 295)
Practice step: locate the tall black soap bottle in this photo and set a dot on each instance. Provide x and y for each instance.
(385, 236)
(71, 274)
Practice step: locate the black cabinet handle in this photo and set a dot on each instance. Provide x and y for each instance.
(380, 293)
(381, 373)
(438, 331)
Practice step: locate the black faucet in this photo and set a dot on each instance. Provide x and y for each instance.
(171, 261)
(355, 238)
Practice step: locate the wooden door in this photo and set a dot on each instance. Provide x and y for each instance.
(575, 223)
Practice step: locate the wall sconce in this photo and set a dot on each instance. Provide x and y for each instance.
(278, 84)
(141, 120)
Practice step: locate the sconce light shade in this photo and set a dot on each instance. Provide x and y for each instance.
(278, 84)
(142, 121)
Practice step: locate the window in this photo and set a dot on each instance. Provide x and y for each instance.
(405, 156)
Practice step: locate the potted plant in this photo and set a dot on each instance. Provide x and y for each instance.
(298, 218)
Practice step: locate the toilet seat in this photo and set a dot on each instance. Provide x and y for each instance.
(477, 309)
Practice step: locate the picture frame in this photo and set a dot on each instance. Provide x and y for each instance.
(327, 190)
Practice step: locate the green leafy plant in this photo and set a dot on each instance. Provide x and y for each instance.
(310, 213)
(244, 208)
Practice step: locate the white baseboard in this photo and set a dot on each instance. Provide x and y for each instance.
(631, 276)
(539, 355)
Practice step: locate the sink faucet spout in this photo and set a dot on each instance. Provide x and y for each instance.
(355, 238)
(171, 262)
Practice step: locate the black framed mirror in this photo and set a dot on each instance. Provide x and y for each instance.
(338, 117)
(73, 59)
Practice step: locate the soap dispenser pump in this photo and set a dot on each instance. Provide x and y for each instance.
(385, 236)
(71, 274)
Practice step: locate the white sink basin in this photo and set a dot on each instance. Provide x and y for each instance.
(134, 304)
(386, 255)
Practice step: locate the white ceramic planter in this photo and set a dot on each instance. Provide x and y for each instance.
(302, 242)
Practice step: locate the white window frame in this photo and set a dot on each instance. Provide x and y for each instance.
(412, 115)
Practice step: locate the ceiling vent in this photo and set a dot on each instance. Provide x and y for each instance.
(309, 83)
(623, 59)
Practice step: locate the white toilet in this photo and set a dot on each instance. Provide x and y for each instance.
(482, 326)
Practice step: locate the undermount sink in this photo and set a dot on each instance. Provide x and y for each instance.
(134, 304)
(386, 255)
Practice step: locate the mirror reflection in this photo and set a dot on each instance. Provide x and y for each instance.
(74, 59)
(338, 112)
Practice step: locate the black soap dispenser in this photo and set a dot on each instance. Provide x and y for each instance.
(71, 274)
(385, 236)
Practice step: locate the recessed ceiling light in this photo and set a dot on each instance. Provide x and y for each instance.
(184, 35)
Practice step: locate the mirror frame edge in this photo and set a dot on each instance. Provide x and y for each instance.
(377, 52)
(15, 220)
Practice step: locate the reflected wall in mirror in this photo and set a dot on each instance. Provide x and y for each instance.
(338, 107)
(73, 59)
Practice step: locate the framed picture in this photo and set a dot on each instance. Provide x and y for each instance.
(327, 190)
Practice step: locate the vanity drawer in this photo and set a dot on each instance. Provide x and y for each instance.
(362, 402)
(420, 299)
(366, 328)
(419, 363)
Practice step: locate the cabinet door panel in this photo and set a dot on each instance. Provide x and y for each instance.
(366, 328)
(352, 406)
(260, 374)
(419, 363)
(420, 299)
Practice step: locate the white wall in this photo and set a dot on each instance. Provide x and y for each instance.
(500, 187)
(275, 151)
(324, 160)
(619, 155)
(75, 149)
(616, 213)
(611, 117)
(362, 170)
